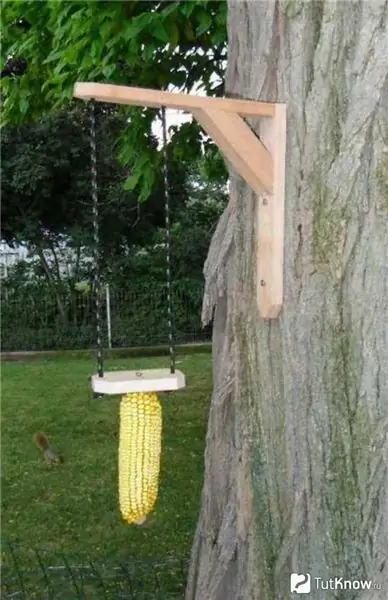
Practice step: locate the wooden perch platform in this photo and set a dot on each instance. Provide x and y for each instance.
(259, 161)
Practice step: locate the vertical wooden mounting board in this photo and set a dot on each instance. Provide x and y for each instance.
(270, 215)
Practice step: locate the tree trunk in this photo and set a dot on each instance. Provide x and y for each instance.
(296, 476)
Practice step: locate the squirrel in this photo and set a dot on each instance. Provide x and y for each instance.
(51, 458)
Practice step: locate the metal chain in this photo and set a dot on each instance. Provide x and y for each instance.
(96, 238)
(168, 243)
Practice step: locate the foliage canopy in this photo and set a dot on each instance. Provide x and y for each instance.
(146, 44)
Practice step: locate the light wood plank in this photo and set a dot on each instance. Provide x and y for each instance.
(120, 94)
(130, 382)
(240, 146)
(270, 247)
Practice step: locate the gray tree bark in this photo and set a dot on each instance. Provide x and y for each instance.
(296, 476)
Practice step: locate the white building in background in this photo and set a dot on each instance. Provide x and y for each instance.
(66, 258)
(9, 257)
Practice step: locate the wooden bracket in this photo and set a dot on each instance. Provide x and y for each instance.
(259, 161)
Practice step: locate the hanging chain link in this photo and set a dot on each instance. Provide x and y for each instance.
(168, 242)
(96, 241)
(96, 238)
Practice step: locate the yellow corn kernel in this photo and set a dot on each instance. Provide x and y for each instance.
(140, 447)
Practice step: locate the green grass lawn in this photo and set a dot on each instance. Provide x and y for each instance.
(73, 509)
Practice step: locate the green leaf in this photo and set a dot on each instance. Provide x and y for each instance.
(189, 32)
(187, 8)
(137, 25)
(205, 22)
(222, 15)
(23, 105)
(174, 34)
(106, 29)
(53, 57)
(59, 68)
(218, 37)
(171, 8)
(131, 182)
(158, 30)
(149, 51)
(126, 153)
(108, 70)
(56, 79)
(95, 50)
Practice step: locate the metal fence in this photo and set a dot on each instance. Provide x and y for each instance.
(32, 573)
(33, 320)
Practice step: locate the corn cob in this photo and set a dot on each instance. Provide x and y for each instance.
(139, 454)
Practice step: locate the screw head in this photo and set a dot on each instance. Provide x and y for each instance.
(262, 282)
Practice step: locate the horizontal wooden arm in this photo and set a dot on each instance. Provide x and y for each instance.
(120, 94)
